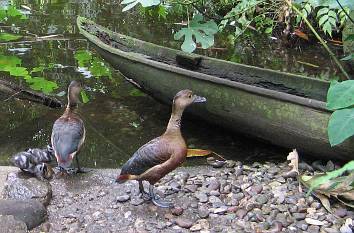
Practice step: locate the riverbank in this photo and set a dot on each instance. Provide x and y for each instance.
(238, 198)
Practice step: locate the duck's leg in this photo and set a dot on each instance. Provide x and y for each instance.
(79, 169)
(158, 202)
(144, 194)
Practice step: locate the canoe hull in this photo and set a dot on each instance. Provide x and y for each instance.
(282, 119)
(279, 122)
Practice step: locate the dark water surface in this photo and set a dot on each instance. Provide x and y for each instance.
(118, 117)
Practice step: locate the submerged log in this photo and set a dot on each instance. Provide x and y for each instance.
(10, 90)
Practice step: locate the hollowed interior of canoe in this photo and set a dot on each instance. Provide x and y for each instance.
(274, 80)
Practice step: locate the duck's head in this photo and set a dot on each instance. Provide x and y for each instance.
(74, 90)
(185, 98)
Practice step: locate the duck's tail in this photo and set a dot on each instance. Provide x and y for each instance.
(123, 178)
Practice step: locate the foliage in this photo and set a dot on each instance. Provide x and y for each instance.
(93, 64)
(11, 65)
(333, 183)
(5, 37)
(132, 3)
(202, 32)
(340, 98)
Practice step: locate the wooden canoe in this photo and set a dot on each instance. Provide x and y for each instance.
(285, 109)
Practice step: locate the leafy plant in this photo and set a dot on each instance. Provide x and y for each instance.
(132, 3)
(327, 19)
(197, 32)
(5, 37)
(93, 64)
(340, 98)
(9, 16)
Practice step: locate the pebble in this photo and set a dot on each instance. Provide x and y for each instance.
(311, 221)
(240, 213)
(184, 223)
(123, 198)
(202, 197)
(203, 212)
(177, 211)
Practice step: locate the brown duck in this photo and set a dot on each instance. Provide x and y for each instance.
(161, 155)
(68, 134)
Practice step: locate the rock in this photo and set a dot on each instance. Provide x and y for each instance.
(31, 212)
(191, 188)
(302, 225)
(177, 211)
(20, 188)
(123, 198)
(9, 224)
(220, 210)
(241, 213)
(136, 201)
(256, 189)
(330, 230)
(46, 227)
(340, 212)
(184, 223)
(262, 199)
(315, 222)
(313, 229)
(213, 184)
(203, 212)
(214, 199)
(345, 229)
(202, 197)
(299, 216)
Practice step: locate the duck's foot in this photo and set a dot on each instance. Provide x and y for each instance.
(82, 170)
(146, 196)
(157, 201)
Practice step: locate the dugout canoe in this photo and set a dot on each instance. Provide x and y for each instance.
(284, 109)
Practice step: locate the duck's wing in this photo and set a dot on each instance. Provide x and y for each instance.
(149, 155)
(67, 136)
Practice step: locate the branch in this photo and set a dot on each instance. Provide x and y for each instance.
(320, 39)
(13, 91)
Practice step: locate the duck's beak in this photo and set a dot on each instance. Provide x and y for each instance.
(199, 99)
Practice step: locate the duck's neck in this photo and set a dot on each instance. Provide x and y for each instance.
(72, 103)
(174, 124)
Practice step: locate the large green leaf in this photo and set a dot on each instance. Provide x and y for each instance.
(5, 37)
(83, 57)
(84, 97)
(99, 69)
(203, 33)
(341, 126)
(340, 95)
(39, 83)
(9, 61)
(329, 3)
(145, 3)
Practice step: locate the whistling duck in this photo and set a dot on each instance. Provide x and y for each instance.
(161, 155)
(68, 133)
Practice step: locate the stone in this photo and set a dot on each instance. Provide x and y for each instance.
(262, 199)
(202, 197)
(184, 223)
(313, 229)
(191, 188)
(299, 216)
(123, 198)
(203, 212)
(177, 211)
(311, 221)
(9, 224)
(220, 210)
(20, 188)
(31, 212)
(136, 201)
(340, 212)
(213, 184)
(241, 213)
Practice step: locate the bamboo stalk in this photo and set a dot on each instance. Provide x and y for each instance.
(320, 39)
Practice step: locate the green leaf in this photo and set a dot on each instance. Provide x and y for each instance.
(322, 20)
(16, 71)
(144, 3)
(268, 30)
(329, 3)
(348, 58)
(9, 61)
(84, 97)
(83, 57)
(5, 37)
(2, 15)
(322, 11)
(99, 69)
(340, 95)
(327, 28)
(202, 32)
(136, 92)
(341, 126)
(37, 69)
(13, 12)
(40, 83)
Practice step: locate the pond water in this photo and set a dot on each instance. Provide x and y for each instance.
(118, 117)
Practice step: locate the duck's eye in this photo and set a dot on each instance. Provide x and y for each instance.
(190, 96)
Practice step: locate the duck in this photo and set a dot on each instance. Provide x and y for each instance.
(68, 134)
(161, 155)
